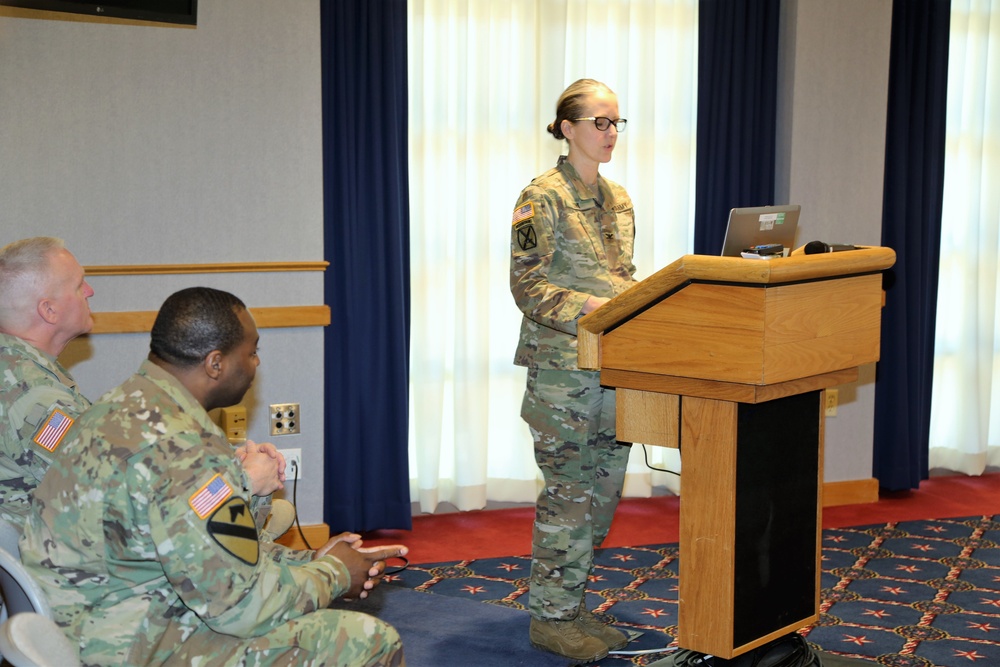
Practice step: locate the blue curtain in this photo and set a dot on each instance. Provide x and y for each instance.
(367, 285)
(737, 106)
(911, 225)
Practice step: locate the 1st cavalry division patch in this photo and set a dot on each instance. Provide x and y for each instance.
(232, 527)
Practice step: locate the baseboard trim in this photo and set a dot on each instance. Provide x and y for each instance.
(316, 534)
(851, 492)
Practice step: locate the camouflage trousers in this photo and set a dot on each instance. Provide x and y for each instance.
(572, 421)
(325, 637)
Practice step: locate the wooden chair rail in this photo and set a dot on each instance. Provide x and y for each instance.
(267, 318)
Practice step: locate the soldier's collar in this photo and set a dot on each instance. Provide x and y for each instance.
(582, 190)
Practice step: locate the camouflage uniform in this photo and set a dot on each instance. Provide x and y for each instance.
(39, 400)
(568, 243)
(142, 538)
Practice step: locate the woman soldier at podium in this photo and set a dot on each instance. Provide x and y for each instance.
(571, 251)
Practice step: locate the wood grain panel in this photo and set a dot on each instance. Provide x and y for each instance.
(735, 271)
(588, 350)
(818, 327)
(822, 309)
(799, 267)
(647, 417)
(18, 12)
(703, 331)
(708, 512)
(724, 391)
(802, 385)
(752, 335)
(266, 318)
(316, 534)
(784, 362)
(223, 267)
(850, 492)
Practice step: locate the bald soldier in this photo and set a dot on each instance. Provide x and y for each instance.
(141, 533)
(43, 306)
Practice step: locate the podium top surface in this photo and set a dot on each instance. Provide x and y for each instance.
(740, 322)
(795, 268)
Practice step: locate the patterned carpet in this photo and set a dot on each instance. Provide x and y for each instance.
(906, 594)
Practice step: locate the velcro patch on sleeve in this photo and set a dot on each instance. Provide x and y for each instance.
(523, 212)
(233, 529)
(207, 498)
(527, 239)
(53, 430)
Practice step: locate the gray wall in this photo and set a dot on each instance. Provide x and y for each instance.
(831, 142)
(158, 145)
(147, 145)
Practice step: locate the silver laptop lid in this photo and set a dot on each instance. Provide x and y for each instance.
(759, 225)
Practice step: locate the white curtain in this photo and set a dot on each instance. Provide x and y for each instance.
(965, 405)
(484, 77)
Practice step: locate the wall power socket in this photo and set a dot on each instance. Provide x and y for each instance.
(293, 457)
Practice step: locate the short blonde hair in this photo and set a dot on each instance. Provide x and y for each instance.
(24, 267)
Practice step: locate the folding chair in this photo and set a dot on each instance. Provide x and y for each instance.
(29, 636)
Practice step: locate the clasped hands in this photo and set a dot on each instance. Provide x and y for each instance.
(365, 564)
(264, 465)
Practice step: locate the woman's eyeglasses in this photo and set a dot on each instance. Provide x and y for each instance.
(603, 123)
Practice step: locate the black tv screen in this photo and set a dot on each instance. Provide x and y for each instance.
(184, 12)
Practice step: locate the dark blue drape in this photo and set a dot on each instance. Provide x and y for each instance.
(737, 106)
(911, 225)
(366, 241)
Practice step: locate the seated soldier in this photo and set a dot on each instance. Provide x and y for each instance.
(43, 306)
(141, 533)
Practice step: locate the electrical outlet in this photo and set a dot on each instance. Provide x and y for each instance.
(832, 396)
(284, 418)
(292, 456)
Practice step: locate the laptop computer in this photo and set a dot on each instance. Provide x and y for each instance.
(760, 225)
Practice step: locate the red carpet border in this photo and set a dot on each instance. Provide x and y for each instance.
(906, 594)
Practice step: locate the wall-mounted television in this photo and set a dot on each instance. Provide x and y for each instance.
(183, 12)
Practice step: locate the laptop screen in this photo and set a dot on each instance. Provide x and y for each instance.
(760, 225)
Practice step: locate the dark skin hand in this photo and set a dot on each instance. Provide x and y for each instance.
(365, 565)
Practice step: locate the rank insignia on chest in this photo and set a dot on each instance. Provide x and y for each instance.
(210, 496)
(53, 430)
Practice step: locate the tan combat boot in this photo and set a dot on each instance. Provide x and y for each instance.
(613, 638)
(565, 638)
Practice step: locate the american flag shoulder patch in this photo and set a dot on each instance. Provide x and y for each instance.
(53, 431)
(523, 213)
(210, 496)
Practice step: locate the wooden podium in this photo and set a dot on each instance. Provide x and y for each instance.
(728, 359)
